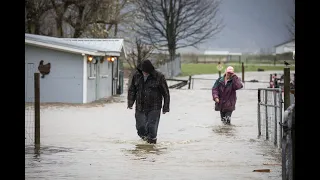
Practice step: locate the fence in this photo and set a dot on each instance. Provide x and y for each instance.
(232, 59)
(288, 144)
(171, 68)
(207, 83)
(32, 112)
(270, 114)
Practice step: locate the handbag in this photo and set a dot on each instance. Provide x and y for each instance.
(217, 106)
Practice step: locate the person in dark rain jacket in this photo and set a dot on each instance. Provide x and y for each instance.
(147, 90)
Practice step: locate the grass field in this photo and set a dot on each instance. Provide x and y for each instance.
(193, 69)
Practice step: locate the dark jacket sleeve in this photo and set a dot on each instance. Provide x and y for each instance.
(132, 92)
(236, 83)
(215, 89)
(165, 94)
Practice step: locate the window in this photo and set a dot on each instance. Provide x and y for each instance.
(92, 69)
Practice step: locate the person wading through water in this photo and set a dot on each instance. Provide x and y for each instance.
(147, 89)
(224, 94)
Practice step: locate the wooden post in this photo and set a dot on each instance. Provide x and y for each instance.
(286, 87)
(189, 83)
(243, 72)
(37, 110)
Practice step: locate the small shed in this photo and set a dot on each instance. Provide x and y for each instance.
(81, 70)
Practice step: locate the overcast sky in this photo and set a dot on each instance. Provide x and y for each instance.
(251, 25)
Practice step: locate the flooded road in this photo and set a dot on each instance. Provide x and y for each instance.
(100, 143)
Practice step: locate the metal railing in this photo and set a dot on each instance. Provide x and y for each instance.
(270, 114)
(288, 144)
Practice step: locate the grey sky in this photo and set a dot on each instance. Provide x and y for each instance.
(251, 25)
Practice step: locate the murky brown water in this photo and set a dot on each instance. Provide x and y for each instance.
(101, 143)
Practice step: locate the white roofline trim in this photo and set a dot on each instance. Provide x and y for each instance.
(112, 54)
(62, 48)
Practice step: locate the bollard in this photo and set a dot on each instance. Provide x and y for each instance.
(286, 87)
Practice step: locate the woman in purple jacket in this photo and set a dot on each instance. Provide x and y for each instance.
(224, 94)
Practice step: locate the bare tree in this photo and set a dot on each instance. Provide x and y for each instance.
(34, 9)
(173, 24)
(78, 18)
(138, 53)
(121, 15)
(291, 26)
(79, 14)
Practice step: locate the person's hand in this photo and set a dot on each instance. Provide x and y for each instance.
(129, 107)
(234, 74)
(216, 100)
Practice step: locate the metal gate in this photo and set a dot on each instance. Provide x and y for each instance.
(270, 112)
(29, 82)
(32, 106)
(29, 107)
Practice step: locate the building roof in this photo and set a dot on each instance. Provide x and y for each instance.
(216, 52)
(96, 47)
(222, 53)
(289, 41)
(235, 54)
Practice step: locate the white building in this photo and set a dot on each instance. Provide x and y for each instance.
(288, 46)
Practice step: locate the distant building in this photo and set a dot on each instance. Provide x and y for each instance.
(285, 47)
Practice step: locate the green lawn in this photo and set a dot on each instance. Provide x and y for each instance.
(193, 69)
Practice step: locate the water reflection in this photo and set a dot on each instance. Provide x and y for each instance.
(144, 149)
(227, 130)
(146, 152)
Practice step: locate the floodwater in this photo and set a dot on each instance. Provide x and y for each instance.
(100, 143)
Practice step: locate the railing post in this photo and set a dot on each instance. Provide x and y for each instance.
(266, 102)
(275, 118)
(243, 73)
(189, 83)
(192, 83)
(37, 110)
(286, 87)
(280, 115)
(259, 113)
